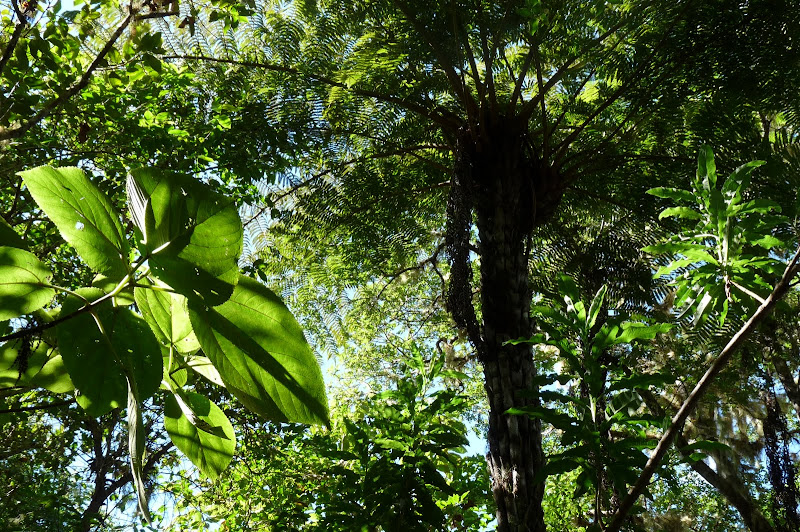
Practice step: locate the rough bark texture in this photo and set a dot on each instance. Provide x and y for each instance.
(500, 180)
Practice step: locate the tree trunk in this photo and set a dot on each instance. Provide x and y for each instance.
(515, 443)
(499, 179)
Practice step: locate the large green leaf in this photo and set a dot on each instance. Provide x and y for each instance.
(21, 360)
(680, 212)
(83, 215)
(24, 283)
(706, 169)
(210, 451)
(32, 362)
(197, 233)
(193, 281)
(203, 366)
(639, 331)
(262, 355)
(9, 237)
(53, 377)
(168, 318)
(595, 307)
(739, 180)
(97, 361)
(673, 194)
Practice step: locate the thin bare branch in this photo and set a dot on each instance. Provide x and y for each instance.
(700, 389)
(12, 43)
(547, 132)
(458, 28)
(526, 65)
(488, 62)
(432, 260)
(158, 14)
(44, 112)
(33, 408)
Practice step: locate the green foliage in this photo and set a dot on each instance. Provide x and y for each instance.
(193, 234)
(721, 257)
(83, 215)
(351, 98)
(596, 392)
(102, 348)
(260, 352)
(43, 367)
(394, 460)
(200, 430)
(189, 239)
(40, 488)
(23, 281)
(9, 237)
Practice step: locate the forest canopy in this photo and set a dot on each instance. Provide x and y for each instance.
(399, 265)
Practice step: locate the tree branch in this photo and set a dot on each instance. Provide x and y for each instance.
(37, 407)
(86, 308)
(456, 84)
(530, 107)
(44, 112)
(700, 389)
(480, 86)
(12, 43)
(432, 260)
(526, 65)
(731, 488)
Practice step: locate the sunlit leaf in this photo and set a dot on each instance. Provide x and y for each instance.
(203, 366)
(96, 360)
(738, 181)
(637, 331)
(211, 452)
(24, 283)
(168, 318)
(21, 360)
(596, 306)
(706, 168)
(260, 351)
(53, 376)
(83, 214)
(675, 194)
(680, 212)
(197, 233)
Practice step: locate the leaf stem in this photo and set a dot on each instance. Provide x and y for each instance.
(88, 307)
(67, 291)
(748, 292)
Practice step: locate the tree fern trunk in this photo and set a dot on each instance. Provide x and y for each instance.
(515, 449)
(497, 178)
(508, 182)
